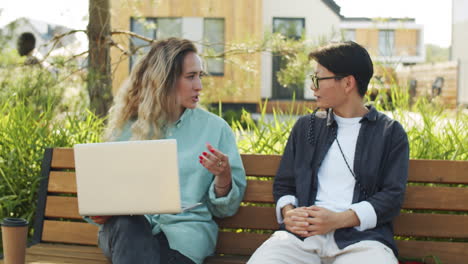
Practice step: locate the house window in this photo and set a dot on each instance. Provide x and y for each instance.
(207, 30)
(143, 27)
(386, 42)
(289, 27)
(168, 27)
(349, 34)
(213, 36)
(292, 28)
(154, 28)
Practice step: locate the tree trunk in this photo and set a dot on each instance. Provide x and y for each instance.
(99, 70)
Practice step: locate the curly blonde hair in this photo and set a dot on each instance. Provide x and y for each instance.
(149, 95)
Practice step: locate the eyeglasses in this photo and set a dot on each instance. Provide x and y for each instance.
(315, 79)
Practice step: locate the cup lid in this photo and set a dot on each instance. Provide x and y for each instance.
(10, 221)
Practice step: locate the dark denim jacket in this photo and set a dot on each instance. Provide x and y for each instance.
(380, 165)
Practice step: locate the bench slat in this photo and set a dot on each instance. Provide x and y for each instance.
(436, 198)
(438, 171)
(69, 232)
(448, 252)
(265, 218)
(63, 158)
(56, 253)
(239, 243)
(407, 224)
(432, 225)
(62, 207)
(62, 182)
(454, 253)
(417, 197)
(259, 191)
(44, 259)
(261, 165)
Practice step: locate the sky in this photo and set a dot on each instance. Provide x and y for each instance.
(434, 15)
(70, 13)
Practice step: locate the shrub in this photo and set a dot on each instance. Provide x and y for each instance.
(37, 111)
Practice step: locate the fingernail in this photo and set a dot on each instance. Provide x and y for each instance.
(201, 162)
(204, 153)
(212, 150)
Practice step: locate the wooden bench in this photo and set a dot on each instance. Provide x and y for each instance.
(427, 225)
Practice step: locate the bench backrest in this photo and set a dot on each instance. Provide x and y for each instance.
(434, 219)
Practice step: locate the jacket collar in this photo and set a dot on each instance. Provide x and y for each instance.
(371, 116)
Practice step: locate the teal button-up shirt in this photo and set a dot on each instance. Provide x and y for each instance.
(194, 233)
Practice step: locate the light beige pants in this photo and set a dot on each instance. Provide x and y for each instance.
(283, 247)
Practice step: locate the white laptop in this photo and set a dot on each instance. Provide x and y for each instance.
(128, 178)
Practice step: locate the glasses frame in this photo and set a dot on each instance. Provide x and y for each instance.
(315, 80)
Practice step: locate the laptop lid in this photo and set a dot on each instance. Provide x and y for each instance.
(127, 177)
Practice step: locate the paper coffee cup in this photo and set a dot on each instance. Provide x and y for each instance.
(14, 236)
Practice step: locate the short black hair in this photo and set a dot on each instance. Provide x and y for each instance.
(26, 43)
(346, 58)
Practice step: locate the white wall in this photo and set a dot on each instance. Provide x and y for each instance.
(459, 46)
(320, 21)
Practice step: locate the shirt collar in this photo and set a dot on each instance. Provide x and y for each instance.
(369, 116)
(187, 112)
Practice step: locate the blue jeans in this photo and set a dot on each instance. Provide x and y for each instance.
(128, 239)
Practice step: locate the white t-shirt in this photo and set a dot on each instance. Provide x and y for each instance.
(335, 181)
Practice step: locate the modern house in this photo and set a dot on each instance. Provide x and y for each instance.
(388, 40)
(459, 50)
(215, 22)
(247, 79)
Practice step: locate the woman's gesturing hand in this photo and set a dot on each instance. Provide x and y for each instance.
(216, 162)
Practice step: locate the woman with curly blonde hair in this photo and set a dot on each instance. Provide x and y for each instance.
(159, 101)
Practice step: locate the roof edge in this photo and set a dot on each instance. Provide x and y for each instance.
(333, 6)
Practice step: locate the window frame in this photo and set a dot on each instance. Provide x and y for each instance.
(224, 45)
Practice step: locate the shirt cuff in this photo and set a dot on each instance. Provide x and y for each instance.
(366, 214)
(223, 200)
(282, 202)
